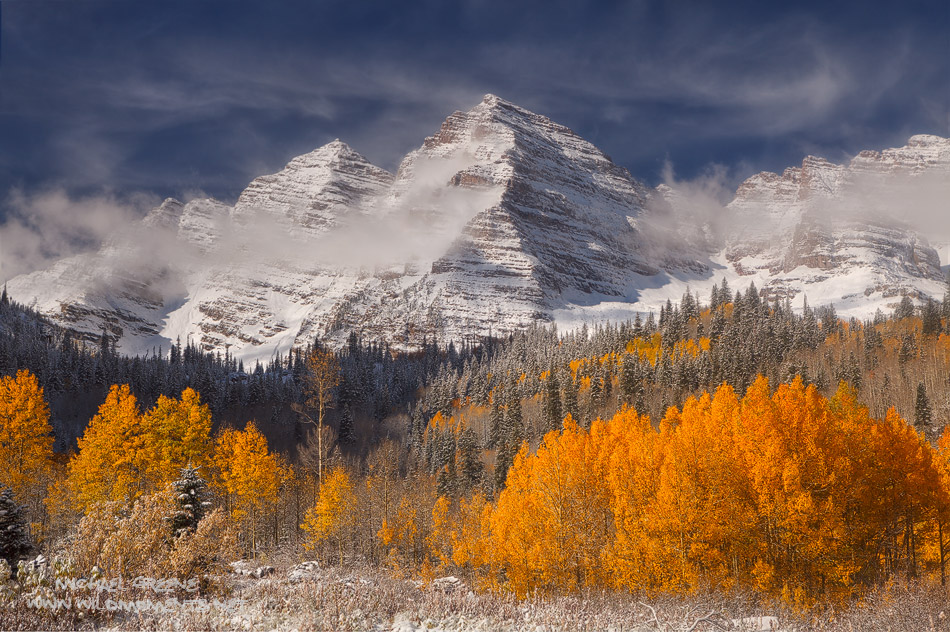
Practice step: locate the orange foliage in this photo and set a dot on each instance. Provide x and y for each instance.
(26, 438)
(789, 493)
(124, 454)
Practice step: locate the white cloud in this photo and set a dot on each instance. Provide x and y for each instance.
(44, 227)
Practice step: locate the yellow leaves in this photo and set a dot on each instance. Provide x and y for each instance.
(575, 366)
(246, 470)
(26, 437)
(386, 534)
(439, 540)
(335, 511)
(784, 492)
(550, 522)
(323, 375)
(438, 422)
(111, 462)
(687, 347)
(470, 532)
(180, 435)
(649, 350)
(943, 347)
(401, 534)
(123, 454)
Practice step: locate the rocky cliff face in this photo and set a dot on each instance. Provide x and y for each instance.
(529, 218)
(824, 228)
(500, 219)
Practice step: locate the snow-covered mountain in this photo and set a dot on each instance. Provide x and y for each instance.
(831, 230)
(500, 219)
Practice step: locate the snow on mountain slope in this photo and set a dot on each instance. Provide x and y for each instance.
(314, 192)
(832, 231)
(555, 222)
(500, 219)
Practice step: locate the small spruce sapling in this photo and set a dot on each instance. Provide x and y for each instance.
(15, 543)
(191, 502)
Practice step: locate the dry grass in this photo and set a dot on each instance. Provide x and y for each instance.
(348, 599)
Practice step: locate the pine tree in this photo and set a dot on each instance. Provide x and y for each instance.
(923, 413)
(496, 425)
(512, 436)
(191, 501)
(829, 320)
(15, 541)
(631, 380)
(930, 314)
(570, 400)
(596, 395)
(503, 462)
(469, 468)
(514, 424)
(908, 349)
(552, 400)
(905, 309)
(725, 293)
(346, 435)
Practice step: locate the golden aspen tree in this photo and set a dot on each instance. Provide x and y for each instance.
(124, 454)
(556, 507)
(179, 435)
(788, 493)
(112, 454)
(250, 476)
(400, 534)
(516, 534)
(333, 517)
(439, 540)
(942, 510)
(470, 534)
(26, 439)
(907, 480)
(632, 466)
(701, 514)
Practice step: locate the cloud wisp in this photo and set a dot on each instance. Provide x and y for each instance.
(46, 227)
(153, 102)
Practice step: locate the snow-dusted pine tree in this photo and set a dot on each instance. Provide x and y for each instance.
(15, 543)
(923, 413)
(191, 501)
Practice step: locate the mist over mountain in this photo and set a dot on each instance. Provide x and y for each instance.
(500, 219)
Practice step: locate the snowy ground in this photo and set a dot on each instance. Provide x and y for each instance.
(309, 597)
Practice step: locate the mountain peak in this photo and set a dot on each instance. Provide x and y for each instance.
(503, 217)
(502, 110)
(926, 140)
(325, 153)
(165, 215)
(494, 100)
(314, 190)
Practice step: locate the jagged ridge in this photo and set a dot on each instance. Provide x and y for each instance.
(500, 219)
